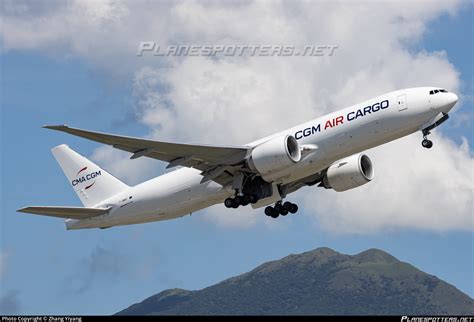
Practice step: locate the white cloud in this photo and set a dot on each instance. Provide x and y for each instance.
(413, 188)
(32, 25)
(239, 99)
(118, 163)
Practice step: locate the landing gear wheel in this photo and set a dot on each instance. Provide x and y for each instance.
(274, 214)
(293, 208)
(246, 199)
(238, 200)
(284, 212)
(287, 206)
(427, 144)
(278, 207)
(269, 211)
(235, 205)
(228, 202)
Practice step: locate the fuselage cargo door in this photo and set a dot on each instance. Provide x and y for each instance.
(402, 103)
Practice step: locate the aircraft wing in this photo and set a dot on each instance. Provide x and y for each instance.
(65, 212)
(216, 162)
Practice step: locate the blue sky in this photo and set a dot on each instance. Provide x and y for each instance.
(48, 270)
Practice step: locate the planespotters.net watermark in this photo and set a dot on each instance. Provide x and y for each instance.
(152, 48)
(437, 319)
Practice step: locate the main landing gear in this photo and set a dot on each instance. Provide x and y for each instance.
(239, 200)
(281, 209)
(251, 189)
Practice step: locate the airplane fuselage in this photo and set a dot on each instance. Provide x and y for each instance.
(326, 139)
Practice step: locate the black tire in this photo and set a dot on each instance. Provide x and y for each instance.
(274, 214)
(284, 212)
(287, 206)
(269, 211)
(235, 205)
(427, 144)
(228, 202)
(238, 200)
(278, 207)
(294, 208)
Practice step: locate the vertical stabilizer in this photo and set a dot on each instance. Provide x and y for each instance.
(91, 183)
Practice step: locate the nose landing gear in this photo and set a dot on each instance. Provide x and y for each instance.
(426, 131)
(427, 144)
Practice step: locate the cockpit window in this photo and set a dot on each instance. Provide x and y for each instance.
(435, 91)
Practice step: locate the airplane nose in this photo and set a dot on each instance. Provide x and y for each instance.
(448, 102)
(453, 99)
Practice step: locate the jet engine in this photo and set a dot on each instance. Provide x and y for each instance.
(349, 173)
(274, 155)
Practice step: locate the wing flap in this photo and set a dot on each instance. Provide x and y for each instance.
(65, 212)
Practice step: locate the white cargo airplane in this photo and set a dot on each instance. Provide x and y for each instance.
(324, 151)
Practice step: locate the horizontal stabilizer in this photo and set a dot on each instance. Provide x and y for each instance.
(66, 212)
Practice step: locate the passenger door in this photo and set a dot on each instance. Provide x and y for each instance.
(402, 103)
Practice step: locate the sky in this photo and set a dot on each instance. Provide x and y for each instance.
(75, 63)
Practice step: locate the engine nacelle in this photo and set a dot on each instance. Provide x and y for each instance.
(274, 155)
(349, 173)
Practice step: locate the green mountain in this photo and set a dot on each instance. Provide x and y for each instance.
(321, 281)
